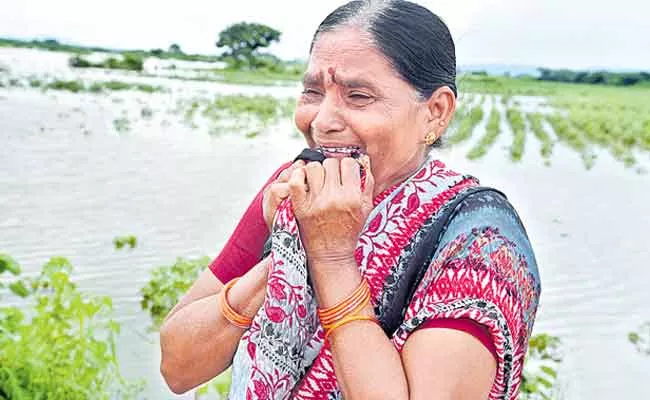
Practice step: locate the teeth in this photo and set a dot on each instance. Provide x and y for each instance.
(351, 151)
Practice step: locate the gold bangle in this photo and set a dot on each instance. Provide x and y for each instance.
(348, 319)
(236, 319)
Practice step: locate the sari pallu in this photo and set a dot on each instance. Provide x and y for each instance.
(477, 275)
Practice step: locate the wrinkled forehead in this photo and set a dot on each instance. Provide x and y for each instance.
(344, 55)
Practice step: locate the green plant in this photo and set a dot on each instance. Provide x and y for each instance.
(35, 83)
(236, 113)
(641, 338)
(121, 241)
(465, 124)
(519, 133)
(539, 379)
(71, 86)
(163, 291)
(62, 347)
(491, 134)
(127, 61)
(122, 125)
(535, 121)
(167, 285)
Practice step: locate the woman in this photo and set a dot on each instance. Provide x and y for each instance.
(313, 318)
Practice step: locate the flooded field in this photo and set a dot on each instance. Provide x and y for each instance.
(78, 169)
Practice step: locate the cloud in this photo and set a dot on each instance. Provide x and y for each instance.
(557, 33)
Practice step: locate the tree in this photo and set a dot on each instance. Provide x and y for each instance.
(175, 48)
(242, 41)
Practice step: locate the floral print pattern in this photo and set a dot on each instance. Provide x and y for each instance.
(484, 269)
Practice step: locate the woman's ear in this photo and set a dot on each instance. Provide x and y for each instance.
(441, 106)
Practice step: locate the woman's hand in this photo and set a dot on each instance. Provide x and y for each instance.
(277, 191)
(331, 208)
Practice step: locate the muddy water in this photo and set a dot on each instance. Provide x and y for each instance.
(70, 183)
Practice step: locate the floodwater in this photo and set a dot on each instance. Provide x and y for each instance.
(70, 183)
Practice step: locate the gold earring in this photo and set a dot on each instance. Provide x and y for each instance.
(442, 123)
(430, 138)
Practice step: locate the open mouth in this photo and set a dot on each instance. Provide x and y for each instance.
(341, 152)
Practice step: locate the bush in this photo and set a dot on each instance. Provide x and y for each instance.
(162, 293)
(63, 346)
(128, 61)
(539, 379)
(79, 62)
(167, 285)
(71, 86)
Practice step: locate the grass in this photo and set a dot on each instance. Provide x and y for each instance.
(535, 121)
(129, 62)
(568, 134)
(256, 78)
(583, 117)
(70, 86)
(122, 125)
(518, 127)
(54, 45)
(237, 113)
(465, 124)
(492, 132)
(78, 86)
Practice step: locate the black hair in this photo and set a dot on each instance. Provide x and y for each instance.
(414, 40)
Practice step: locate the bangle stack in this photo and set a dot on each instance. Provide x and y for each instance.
(347, 310)
(231, 315)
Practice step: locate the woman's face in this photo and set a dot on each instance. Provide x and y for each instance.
(354, 98)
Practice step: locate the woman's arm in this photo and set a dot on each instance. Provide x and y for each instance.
(197, 343)
(366, 363)
(434, 364)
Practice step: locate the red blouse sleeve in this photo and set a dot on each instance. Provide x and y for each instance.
(469, 326)
(244, 248)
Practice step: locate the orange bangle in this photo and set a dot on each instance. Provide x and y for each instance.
(352, 304)
(355, 311)
(231, 315)
(363, 286)
(349, 319)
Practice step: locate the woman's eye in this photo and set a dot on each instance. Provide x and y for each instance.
(359, 98)
(310, 92)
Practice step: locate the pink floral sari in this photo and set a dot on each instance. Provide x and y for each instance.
(284, 355)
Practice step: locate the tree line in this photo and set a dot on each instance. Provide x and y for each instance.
(594, 77)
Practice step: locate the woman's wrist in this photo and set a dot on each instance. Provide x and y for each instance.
(334, 280)
(247, 295)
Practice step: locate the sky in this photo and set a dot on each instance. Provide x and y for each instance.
(575, 34)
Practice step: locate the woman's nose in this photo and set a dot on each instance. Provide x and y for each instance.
(328, 119)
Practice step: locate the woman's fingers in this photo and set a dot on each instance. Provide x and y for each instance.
(368, 187)
(332, 173)
(297, 188)
(315, 176)
(279, 191)
(286, 173)
(350, 174)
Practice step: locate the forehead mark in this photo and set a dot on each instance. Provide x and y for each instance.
(332, 72)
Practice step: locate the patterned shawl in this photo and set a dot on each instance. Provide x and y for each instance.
(284, 355)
